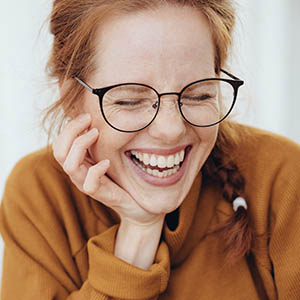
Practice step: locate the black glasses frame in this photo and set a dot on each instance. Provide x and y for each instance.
(235, 82)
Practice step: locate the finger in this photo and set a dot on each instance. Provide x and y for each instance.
(111, 194)
(74, 128)
(75, 165)
(92, 181)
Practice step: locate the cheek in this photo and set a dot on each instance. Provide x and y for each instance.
(111, 144)
(207, 136)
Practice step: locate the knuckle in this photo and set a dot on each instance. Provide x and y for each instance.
(58, 156)
(55, 148)
(76, 183)
(87, 189)
(71, 125)
(79, 142)
(54, 145)
(69, 168)
(75, 125)
(90, 190)
(113, 195)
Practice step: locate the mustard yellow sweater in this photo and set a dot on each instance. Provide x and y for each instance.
(59, 243)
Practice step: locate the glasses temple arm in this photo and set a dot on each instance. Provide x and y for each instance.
(230, 75)
(84, 84)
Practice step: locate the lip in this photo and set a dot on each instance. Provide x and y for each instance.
(160, 151)
(162, 182)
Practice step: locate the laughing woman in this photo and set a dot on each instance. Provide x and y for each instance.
(147, 191)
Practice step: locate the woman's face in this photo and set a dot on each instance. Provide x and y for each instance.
(167, 49)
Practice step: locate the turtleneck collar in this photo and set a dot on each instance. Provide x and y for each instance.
(194, 217)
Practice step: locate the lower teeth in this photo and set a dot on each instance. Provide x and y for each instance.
(157, 173)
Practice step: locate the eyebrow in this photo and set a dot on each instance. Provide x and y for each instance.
(131, 88)
(209, 84)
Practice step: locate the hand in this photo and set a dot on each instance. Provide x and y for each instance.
(71, 151)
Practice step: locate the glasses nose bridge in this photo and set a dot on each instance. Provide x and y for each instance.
(173, 103)
(169, 94)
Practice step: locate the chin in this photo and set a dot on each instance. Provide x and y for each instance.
(161, 206)
(162, 200)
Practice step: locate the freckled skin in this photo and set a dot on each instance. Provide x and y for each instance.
(167, 49)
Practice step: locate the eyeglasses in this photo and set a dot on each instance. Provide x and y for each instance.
(130, 107)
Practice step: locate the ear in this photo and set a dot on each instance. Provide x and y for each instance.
(64, 88)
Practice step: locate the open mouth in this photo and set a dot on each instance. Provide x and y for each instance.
(159, 166)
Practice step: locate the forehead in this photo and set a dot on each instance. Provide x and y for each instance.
(162, 47)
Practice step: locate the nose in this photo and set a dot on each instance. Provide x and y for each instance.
(168, 126)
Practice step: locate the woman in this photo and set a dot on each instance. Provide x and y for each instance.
(147, 193)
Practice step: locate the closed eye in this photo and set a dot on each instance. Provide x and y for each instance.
(130, 102)
(197, 98)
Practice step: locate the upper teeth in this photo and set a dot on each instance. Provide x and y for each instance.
(159, 160)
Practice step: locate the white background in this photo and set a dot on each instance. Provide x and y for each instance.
(266, 56)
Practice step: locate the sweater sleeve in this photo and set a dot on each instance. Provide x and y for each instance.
(285, 225)
(38, 262)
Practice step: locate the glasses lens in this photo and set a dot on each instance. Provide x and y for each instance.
(130, 107)
(207, 102)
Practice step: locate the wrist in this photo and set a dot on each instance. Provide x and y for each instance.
(137, 243)
(155, 222)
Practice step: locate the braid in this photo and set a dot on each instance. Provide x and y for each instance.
(236, 230)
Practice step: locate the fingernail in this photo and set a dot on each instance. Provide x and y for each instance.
(93, 132)
(105, 163)
(84, 117)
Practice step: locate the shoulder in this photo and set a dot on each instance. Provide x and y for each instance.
(35, 176)
(37, 173)
(33, 166)
(38, 186)
(259, 149)
(270, 164)
(264, 142)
